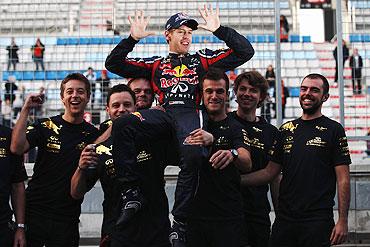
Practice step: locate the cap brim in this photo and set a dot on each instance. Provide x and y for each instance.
(193, 24)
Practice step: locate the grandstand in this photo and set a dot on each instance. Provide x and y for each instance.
(77, 34)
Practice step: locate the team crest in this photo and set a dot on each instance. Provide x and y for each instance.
(52, 126)
(289, 126)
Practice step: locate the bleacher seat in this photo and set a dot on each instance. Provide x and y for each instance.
(294, 38)
(306, 39)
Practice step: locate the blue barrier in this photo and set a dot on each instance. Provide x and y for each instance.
(355, 38)
(197, 39)
(360, 4)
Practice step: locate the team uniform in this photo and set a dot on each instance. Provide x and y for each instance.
(144, 143)
(308, 152)
(216, 217)
(256, 205)
(11, 171)
(52, 214)
(175, 79)
(106, 173)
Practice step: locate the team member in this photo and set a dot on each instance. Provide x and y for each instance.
(175, 79)
(12, 175)
(313, 154)
(251, 90)
(52, 214)
(143, 144)
(120, 101)
(143, 92)
(216, 218)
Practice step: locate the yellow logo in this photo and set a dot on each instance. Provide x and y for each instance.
(53, 146)
(256, 129)
(316, 142)
(109, 122)
(101, 149)
(143, 156)
(81, 146)
(179, 71)
(320, 128)
(289, 126)
(3, 152)
(255, 142)
(50, 125)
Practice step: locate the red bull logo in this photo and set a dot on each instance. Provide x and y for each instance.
(179, 71)
(138, 114)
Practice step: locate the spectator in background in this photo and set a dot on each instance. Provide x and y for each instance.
(368, 144)
(19, 100)
(104, 81)
(355, 62)
(12, 54)
(91, 76)
(38, 50)
(10, 87)
(6, 111)
(270, 75)
(345, 57)
(284, 29)
(284, 96)
(270, 99)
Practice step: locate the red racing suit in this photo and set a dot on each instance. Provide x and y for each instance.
(175, 78)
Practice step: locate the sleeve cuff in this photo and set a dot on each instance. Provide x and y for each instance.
(130, 41)
(219, 32)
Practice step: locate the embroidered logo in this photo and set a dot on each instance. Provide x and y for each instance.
(52, 126)
(316, 142)
(289, 126)
(143, 156)
(101, 149)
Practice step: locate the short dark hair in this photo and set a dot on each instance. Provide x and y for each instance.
(325, 82)
(133, 79)
(255, 79)
(118, 89)
(78, 77)
(216, 75)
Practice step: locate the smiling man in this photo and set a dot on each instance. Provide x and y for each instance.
(175, 79)
(143, 92)
(251, 90)
(216, 218)
(120, 101)
(52, 214)
(312, 152)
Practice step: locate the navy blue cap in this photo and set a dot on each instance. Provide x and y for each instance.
(180, 19)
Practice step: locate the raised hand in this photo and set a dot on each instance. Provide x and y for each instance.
(212, 18)
(34, 100)
(138, 25)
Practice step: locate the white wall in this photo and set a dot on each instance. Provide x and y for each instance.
(312, 23)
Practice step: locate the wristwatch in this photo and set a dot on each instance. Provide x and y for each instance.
(20, 225)
(235, 153)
